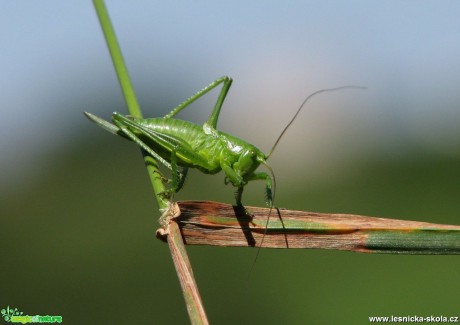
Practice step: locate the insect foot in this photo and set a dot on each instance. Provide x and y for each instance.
(269, 197)
(163, 178)
(167, 194)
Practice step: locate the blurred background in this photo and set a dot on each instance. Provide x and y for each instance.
(77, 214)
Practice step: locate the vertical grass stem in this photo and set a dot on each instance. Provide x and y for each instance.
(181, 261)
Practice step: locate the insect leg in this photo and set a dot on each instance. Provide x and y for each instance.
(182, 154)
(268, 186)
(140, 143)
(182, 177)
(119, 128)
(238, 195)
(220, 100)
(178, 178)
(231, 176)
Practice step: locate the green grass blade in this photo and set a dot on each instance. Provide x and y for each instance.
(129, 95)
(117, 59)
(190, 290)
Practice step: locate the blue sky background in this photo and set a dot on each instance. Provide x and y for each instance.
(54, 65)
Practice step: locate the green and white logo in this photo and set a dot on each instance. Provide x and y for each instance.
(8, 313)
(13, 315)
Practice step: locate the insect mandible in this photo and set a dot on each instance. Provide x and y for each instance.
(177, 143)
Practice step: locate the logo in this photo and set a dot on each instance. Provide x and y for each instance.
(13, 315)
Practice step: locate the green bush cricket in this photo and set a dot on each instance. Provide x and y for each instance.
(176, 143)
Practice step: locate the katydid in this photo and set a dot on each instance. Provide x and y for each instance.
(176, 143)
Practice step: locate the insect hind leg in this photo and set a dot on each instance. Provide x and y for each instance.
(227, 82)
(140, 143)
(178, 178)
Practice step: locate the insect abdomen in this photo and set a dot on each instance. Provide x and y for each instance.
(204, 146)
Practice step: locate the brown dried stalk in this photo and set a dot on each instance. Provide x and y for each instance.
(213, 223)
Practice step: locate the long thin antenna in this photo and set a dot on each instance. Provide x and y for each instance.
(303, 103)
(271, 151)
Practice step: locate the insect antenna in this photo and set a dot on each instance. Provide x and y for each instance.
(271, 196)
(273, 148)
(303, 104)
